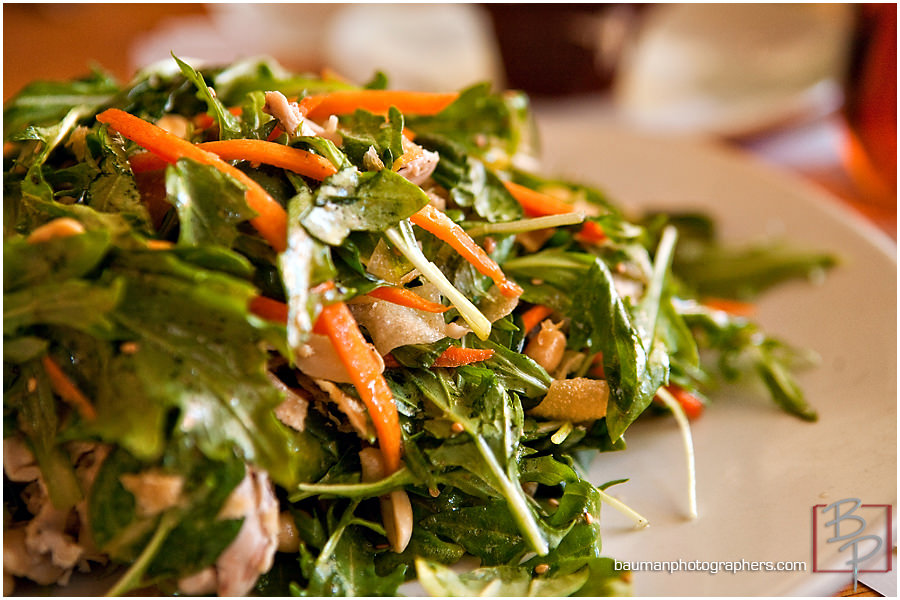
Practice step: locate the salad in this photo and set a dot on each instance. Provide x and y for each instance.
(282, 334)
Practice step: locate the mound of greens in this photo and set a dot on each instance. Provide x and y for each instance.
(179, 371)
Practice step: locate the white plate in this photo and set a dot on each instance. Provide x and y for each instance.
(759, 471)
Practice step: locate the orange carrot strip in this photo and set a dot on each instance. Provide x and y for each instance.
(537, 204)
(534, 315)
(271, 219)
(268, 309)
(408, 298)
(690, 404)
(67, 390)
(591, 233)
(271, 153)
(440, 225)
(273, 310)
(343, 102)
(455, 356)
(355, 354)
(278, 155)
(734, 307)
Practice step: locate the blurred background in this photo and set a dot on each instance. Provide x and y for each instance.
(809, 87)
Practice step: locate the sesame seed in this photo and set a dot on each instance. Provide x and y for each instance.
(542, 568)
(32, 384)
(537, 281)
(553, 502)
(457, 428)
(589, 518)
(434, 492)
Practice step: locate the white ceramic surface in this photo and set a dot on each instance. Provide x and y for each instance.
(759, 471)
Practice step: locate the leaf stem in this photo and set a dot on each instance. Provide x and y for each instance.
(682, 420)
(515, 497)
(639, 521)
(523, 225)
(132, 578)
(404, 240)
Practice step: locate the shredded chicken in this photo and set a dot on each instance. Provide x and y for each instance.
(354, 410)
(19, 463)
(287, 113)
(153, 490)
(55, 541)
(292, 411)
(419, 169)
(252, 552)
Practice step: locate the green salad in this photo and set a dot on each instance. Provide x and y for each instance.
(279, 334)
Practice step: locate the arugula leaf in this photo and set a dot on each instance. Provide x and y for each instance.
(200, 352)
(73, 303)
(362, 130)
(346, 565)
(469, 182)
(229, 125)
(44, 102)
(354, 201)
(479, 121)
(37, 419)
(210, 204)
(196, 536)
(54, 260)
(114, 190)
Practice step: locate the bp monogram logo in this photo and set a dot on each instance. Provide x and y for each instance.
(861, 534)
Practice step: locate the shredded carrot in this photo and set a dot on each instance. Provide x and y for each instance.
(690, 404)
(258, 151)
(440, 225)
(408, 298)
(159, 245)
(534, 315)
(455, 356)
(275, 133)
(336, 322)
(278, 155)
(591, 233)
(271, 219)
(537, 204)
(343, 102)
(273, 310)
(67, 390)
(268, 309)
(734, 307)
